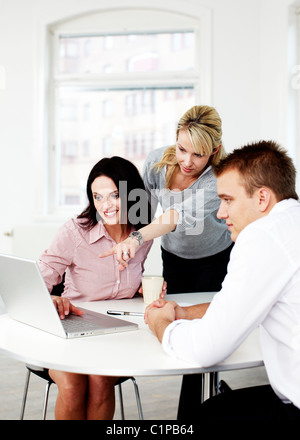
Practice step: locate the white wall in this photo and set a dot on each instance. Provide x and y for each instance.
(249, 83)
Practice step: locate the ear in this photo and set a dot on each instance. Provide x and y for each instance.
(264, 197)
(215, 150)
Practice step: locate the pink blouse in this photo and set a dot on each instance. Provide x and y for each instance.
(76, 251)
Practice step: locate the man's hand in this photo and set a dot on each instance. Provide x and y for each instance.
(158, 318)
(180, 312)
(64, 307)
(161, 313)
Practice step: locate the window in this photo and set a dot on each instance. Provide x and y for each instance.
(70, 149)
(116, 93)
(107, 108)
(293, 108)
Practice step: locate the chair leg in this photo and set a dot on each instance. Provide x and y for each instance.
(217, 382)
(213, 383)
(25, 395)
(121, 401)
(138, 399)
(46, 397)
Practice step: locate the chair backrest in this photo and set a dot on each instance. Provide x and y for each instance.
(59, 288)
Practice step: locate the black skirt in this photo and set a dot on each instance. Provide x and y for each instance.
(195, 275)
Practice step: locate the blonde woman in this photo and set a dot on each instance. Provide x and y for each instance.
(195, 244)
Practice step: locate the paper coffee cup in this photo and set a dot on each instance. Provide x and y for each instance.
(152, 287)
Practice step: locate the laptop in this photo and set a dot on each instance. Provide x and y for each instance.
(27, 299)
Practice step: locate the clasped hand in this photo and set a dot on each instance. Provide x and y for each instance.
(160, 314)
(165, 308)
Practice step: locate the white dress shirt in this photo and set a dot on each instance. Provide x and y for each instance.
(262, 288)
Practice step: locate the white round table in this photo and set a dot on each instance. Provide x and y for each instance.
(132, 353)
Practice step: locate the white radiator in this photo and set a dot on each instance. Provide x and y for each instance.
(30, 240)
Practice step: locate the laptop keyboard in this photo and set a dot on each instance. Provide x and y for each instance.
(73, 323)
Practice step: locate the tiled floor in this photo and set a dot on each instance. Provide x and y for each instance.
(159, 395)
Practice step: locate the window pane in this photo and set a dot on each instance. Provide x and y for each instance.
(135, 53)
(130, 123)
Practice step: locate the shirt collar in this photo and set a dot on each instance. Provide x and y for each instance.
(284, 204)
(98, 231)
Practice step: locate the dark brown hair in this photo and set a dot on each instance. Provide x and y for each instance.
(262, 164)
(119, 170)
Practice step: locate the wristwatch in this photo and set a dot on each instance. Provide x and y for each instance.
(137, 235)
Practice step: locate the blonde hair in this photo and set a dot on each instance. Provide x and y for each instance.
(204, 128)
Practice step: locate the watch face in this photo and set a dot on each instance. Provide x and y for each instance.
(138, 236)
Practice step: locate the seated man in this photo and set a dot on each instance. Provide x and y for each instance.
(256, 185)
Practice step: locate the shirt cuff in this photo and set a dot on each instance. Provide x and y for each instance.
(166, 340)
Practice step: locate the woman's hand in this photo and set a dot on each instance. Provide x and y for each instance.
(163, 290)
(124, 251)
(64, 307)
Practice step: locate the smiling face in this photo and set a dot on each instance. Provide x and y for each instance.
(237, 208)
(106, 200)
(191, 163)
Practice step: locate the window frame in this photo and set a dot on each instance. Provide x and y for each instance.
(293, 99)
(297, 112)
(199, 79)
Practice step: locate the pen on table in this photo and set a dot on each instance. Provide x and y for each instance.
(118, 312)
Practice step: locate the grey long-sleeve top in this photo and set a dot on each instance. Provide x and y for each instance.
(199, 233)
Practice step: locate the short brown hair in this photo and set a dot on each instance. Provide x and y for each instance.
(262, 163)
